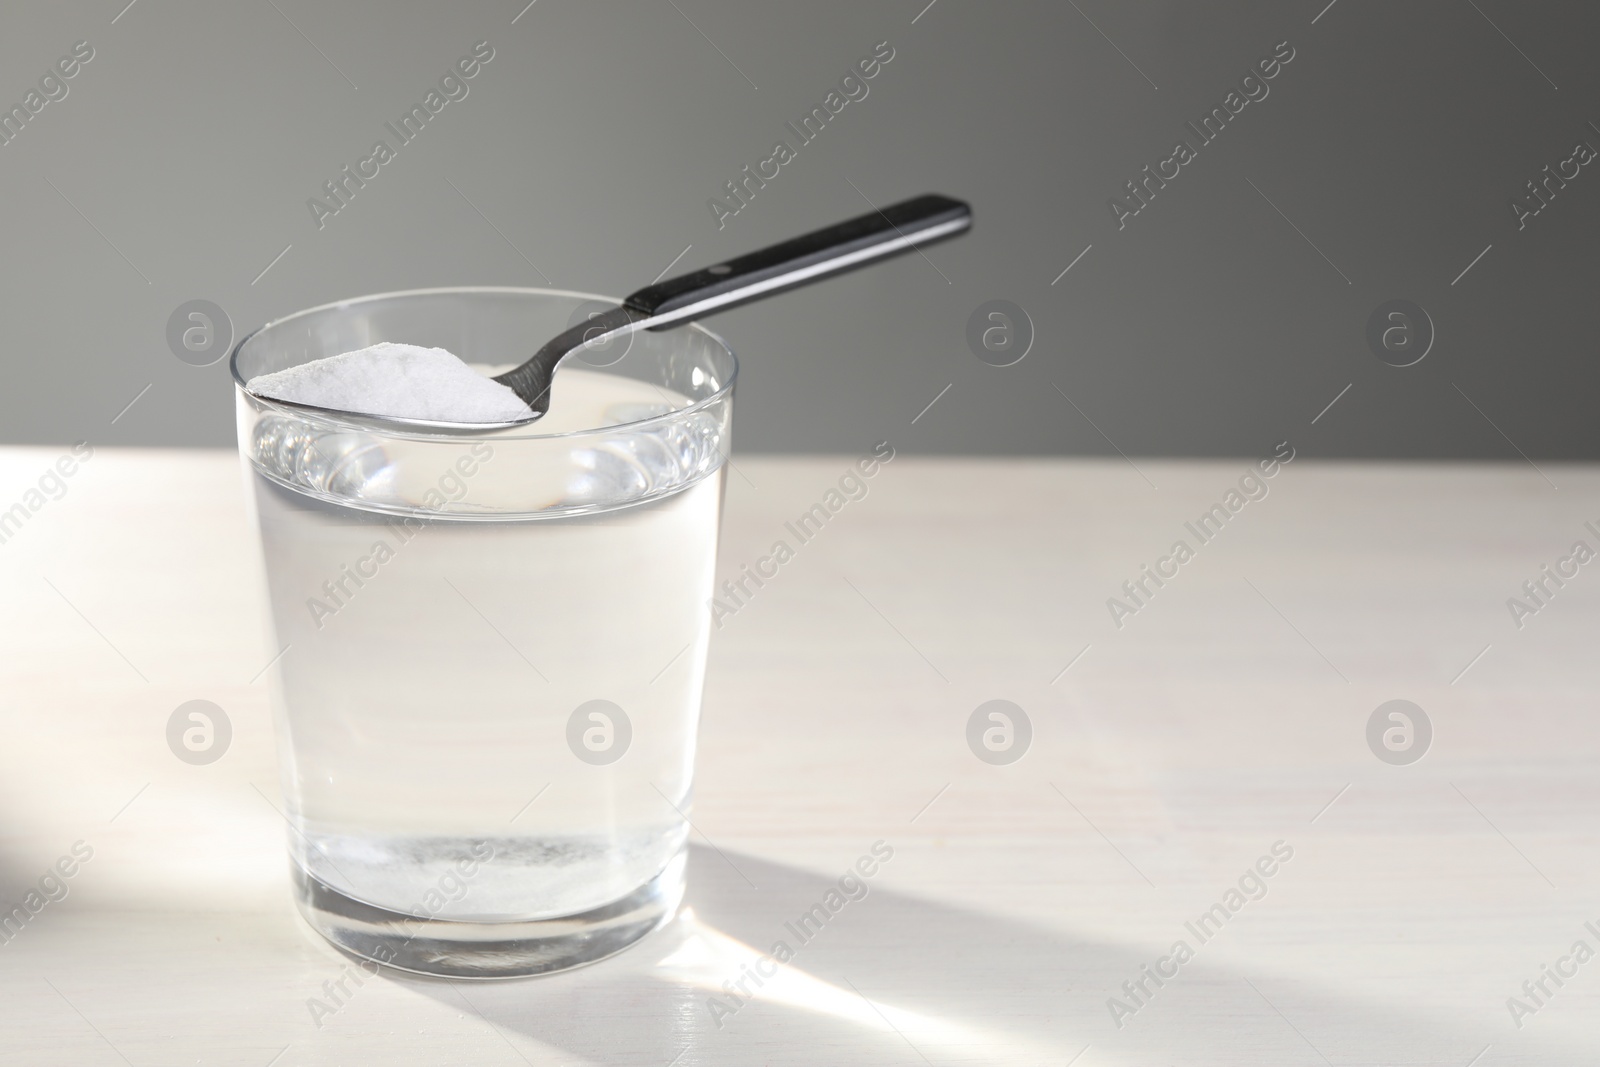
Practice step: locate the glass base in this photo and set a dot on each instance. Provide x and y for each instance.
(450, 949)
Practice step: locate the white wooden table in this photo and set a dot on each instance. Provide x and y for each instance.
(1228, 714)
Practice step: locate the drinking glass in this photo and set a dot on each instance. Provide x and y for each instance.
(490, 647)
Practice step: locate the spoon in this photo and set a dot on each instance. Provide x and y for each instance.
(856, 242)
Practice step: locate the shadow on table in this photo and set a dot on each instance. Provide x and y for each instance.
(894, 979)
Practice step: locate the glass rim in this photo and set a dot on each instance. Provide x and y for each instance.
(359, 423)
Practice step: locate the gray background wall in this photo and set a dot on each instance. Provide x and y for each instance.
(1221, 319)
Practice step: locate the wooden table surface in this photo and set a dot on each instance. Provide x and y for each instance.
(1226, 717)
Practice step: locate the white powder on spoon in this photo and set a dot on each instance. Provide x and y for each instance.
(399, 381)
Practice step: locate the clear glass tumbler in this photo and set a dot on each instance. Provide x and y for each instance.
(492, 646)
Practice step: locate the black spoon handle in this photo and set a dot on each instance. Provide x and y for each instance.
(893, 230)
